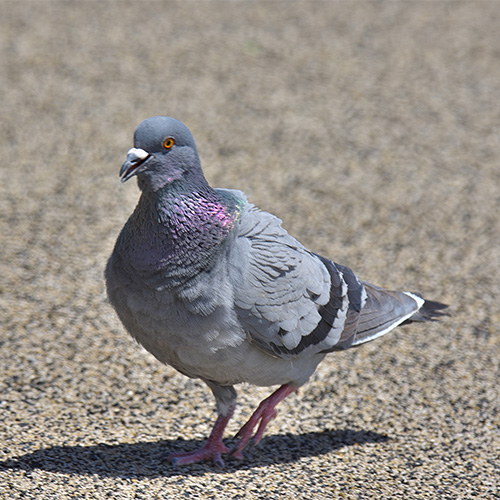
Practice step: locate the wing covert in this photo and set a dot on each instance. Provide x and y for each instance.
(290, 301)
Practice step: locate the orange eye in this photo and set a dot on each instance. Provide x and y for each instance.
(168, 142)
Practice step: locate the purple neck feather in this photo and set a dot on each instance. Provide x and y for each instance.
(178, 234)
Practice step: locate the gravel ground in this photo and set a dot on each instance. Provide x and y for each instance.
(370, 128)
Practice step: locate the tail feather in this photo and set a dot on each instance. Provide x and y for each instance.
(384, 310)
(430, 311)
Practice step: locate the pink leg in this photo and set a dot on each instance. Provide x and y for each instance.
(212, 449)
(262, 416)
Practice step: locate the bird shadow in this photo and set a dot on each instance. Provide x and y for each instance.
(149, 459)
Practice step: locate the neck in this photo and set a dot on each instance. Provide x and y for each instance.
(183, 231)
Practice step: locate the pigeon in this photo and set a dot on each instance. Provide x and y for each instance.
(216, 288)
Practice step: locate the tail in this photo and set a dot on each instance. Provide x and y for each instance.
(384, 310)
(430, 311)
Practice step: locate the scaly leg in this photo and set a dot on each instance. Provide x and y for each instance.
(262, 415)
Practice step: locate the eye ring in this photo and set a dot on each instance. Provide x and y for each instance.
(168, 142)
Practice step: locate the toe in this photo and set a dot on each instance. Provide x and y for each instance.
(210, 452)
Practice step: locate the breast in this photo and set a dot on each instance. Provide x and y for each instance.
(190, 327)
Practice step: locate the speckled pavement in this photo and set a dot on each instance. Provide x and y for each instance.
(371, 128)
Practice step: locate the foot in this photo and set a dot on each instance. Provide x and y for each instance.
(262, 416)
(212, 450)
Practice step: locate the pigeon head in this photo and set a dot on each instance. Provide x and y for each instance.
(164, 152)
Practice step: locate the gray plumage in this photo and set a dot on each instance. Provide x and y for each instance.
(216, 288)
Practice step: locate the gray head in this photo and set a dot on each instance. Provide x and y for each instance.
(164, 152)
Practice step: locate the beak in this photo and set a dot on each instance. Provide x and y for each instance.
(135, 163)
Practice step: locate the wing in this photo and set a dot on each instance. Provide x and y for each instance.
(290, 301)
